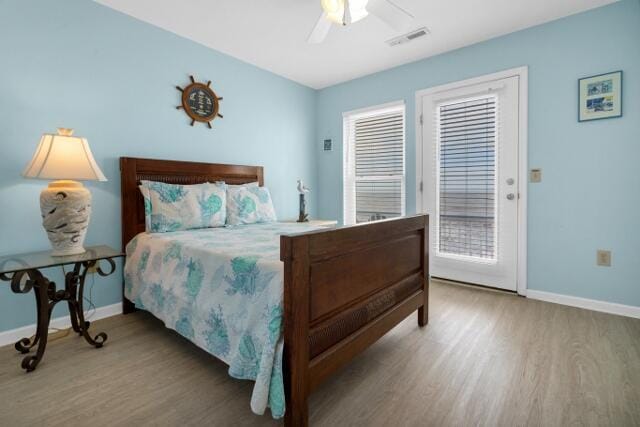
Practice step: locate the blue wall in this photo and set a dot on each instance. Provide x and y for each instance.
(589, 196)
(77, 64)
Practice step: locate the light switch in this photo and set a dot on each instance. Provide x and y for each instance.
(535, 175)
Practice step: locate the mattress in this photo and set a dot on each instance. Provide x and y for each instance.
(221, 288)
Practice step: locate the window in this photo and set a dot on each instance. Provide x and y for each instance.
(374, 175)
(467, 166)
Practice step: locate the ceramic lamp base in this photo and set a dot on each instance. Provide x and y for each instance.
(66, 209)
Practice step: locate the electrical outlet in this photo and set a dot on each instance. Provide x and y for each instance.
(603, 258)
(535, 175)
(93, 269)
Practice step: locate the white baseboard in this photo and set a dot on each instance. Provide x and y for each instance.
(13, 335)
(589, 304)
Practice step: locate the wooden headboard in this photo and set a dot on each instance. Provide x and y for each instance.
(133, 170)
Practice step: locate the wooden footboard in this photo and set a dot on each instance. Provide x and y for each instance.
(344, 289)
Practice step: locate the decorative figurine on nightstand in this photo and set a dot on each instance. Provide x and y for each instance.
(303, 216)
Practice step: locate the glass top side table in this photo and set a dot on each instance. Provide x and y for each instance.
(23, 271)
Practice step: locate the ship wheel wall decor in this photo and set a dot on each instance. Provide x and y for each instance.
(200, 102)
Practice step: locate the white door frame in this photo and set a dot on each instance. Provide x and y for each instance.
(523, 165)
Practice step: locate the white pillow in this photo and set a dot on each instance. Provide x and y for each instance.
(249, 205)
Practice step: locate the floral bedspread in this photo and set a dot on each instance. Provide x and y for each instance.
(222, 288)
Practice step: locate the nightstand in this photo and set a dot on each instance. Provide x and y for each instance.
(23, 271)
(327, 223)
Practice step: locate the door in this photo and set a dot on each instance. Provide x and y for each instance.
(470, 181)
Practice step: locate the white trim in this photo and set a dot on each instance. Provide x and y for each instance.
(13, 335)
(523, 144)
(589, 304)
(380, 107)
(523, 179)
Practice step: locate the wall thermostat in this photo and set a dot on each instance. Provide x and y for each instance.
(535, 175)
(328, 145)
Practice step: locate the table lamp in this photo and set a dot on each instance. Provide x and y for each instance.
(65, 204)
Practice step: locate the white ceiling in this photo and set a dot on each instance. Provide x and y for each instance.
(271, 34)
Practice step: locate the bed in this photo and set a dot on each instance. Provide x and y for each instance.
(321, 296)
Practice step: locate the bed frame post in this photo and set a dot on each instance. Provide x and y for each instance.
(127, 306)
(295, 254)
(423, 312)
(128, 181)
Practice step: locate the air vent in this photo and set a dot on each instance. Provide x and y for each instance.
(406, 38)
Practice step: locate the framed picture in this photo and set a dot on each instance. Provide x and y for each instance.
(600, 97)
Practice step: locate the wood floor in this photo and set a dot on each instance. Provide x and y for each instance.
(485, 358)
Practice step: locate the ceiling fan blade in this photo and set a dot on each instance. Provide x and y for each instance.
(392, 14)
(320, 30)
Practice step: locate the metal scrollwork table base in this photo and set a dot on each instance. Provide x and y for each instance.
(23, 271)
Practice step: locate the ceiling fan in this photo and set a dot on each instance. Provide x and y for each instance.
(345, 12)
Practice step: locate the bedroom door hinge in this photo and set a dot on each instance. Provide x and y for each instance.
(421, 119)
(421, 186)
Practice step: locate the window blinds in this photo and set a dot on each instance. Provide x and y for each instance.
(374, 165)
(467, 175)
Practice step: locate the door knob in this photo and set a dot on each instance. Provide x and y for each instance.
(511, 196)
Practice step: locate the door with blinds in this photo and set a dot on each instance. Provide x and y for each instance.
(374, 174)
(470, 178)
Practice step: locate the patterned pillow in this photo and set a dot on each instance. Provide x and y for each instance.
(249, 204)
(147, 207)
(184, 207)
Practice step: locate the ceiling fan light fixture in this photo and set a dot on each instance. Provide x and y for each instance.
(335, 10)
(332, 6)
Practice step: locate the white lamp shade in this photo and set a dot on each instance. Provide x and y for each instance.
(63, 156)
